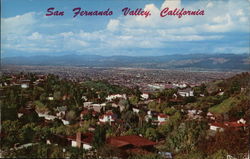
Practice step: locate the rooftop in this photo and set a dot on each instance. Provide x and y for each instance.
(134, 140)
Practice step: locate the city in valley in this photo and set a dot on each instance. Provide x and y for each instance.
(97, 112)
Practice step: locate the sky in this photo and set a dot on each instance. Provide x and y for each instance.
(26, 31)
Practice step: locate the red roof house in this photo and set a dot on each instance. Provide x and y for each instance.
(132, 142)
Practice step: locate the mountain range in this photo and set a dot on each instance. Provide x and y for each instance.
(192, 61)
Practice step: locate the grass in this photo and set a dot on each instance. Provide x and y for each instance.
(227, 104)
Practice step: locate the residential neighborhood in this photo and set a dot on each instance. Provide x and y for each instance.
(92, 119)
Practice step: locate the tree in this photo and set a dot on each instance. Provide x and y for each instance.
(145, 156)
(32, 117)
(220, 154)
(154, 106)
(130, 118)
(8, 113)
(230, 140)
(11, 130)
(109, 151)
(27, 133)
(134, 100)
(71, 115)
(42, 133)
(191, 155)
(165, 128)
(56, 152)
(141, 116)
(126, 104)
(99, 136)
(151, 134)
(57, 95)
(169, 111)
(186, 136)
(235, 87)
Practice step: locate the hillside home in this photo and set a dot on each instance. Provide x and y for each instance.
(132, 144)
(188, 92)
(81, 140)
(162, 118)
(115, 96)
(108, 117)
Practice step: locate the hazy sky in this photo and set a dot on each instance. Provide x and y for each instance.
(27, 31)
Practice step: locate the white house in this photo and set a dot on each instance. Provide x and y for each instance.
(210, 116)
(107, 117)
(136, 110)
(112, 97)
(161, 118)
(180, 85)
(222, 126)
(87, 104)
(50, 98)
(241, 121)
(145, 96)
(61, 111)
(186, 93)
(46, 116)
(216, 127)
(65, 122)
(24, 85)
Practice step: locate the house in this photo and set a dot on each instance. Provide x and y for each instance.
(65, 122)
(108, 117)
(188, 92)
(50, 98)
(84, 98)
(52, 117)
(145, 96)
(222, 126)
(97, 107)
(156, 86)
(87, 104)
(210, 116)
(169, 86)
(216, 126)
(136, 110)
(166, 155)
(61, 111)
(132, 144)
(47, 116)
(241, 121)
(88, 113)
(162, 118)
(194, 114)
(235, 125)
(183, 85)
(24, 85)
(81, 140)
(151, 114)
(66, 97)
(115, 96)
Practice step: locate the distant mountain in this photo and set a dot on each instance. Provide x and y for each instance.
(193, 61)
